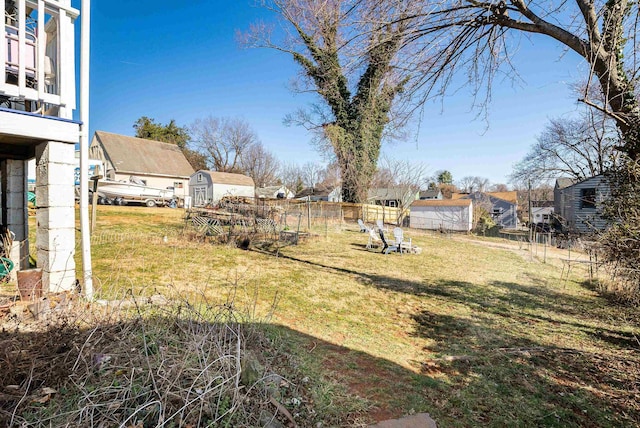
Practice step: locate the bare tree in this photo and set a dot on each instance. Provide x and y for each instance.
(383, 177)
(470, 184)
(291, 176)
(223, 141)
(477, 36)
(403, 182)
(332, 175)
(312, 174)
(577, 148)
(260, 164)
(499, 187)
(348, 53)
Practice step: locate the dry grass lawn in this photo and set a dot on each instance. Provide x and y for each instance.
(474, 332)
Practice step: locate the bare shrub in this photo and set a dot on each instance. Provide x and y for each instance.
(189, 362)
(620, 244)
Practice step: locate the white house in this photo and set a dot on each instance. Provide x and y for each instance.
(156, 164)
(208, 187)
(37, 100)
(541, 212)
(321, 193)
(445, 214)
(274, 192)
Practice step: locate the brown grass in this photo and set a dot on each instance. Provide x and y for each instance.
(475, 332)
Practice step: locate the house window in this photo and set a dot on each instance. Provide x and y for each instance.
(588, 198)
(497, 212)
(200, 178)
(178, 185)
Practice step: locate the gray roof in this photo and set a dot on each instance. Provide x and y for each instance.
(268, 191)
(390, 193)
(320, 191)
(430, 193)
(137, 155)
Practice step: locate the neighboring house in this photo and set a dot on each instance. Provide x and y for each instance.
(392, 197)
(578, 204)
(37, 103)
(316, 194)
(208, 187)
(431, 194)
(541, 212)
(274, 192)
(558, 197)
(501, 206)
(156, 164)
(446, 214)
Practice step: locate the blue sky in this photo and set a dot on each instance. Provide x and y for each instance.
(180, 60)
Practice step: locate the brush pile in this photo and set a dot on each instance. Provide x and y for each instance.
(147, 366)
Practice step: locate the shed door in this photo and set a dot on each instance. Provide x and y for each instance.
(199, 196)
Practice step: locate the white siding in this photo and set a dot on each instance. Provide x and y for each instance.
(222, 190)
(538, 214)
(441, 217)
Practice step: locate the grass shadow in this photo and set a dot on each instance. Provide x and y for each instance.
(142, 370)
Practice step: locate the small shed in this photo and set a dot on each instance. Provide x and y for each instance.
(447, 214)
(208, 187)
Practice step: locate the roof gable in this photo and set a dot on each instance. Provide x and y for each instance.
(511, 197)
(137, 155)
(563, 182)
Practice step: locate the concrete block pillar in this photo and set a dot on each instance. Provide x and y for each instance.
(55, 215)
(14, 211)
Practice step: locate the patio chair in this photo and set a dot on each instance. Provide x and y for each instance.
(386, 248)
(399, 242)
(380, 225)
(363, 227)
(374, 240)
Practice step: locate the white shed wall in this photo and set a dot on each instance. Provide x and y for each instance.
(434, 218)
(222, 190)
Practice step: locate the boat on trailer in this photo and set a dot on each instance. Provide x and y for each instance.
(134, 190)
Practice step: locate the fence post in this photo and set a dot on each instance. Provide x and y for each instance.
(309, 213)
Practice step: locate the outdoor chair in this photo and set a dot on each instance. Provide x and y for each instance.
(374, 240)
(381, 226)
(363, 227)
(399, 242)
(400, 245)
(386, 248)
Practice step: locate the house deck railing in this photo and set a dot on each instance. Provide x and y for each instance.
(38, 73)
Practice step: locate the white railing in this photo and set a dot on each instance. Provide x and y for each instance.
(37, 56)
